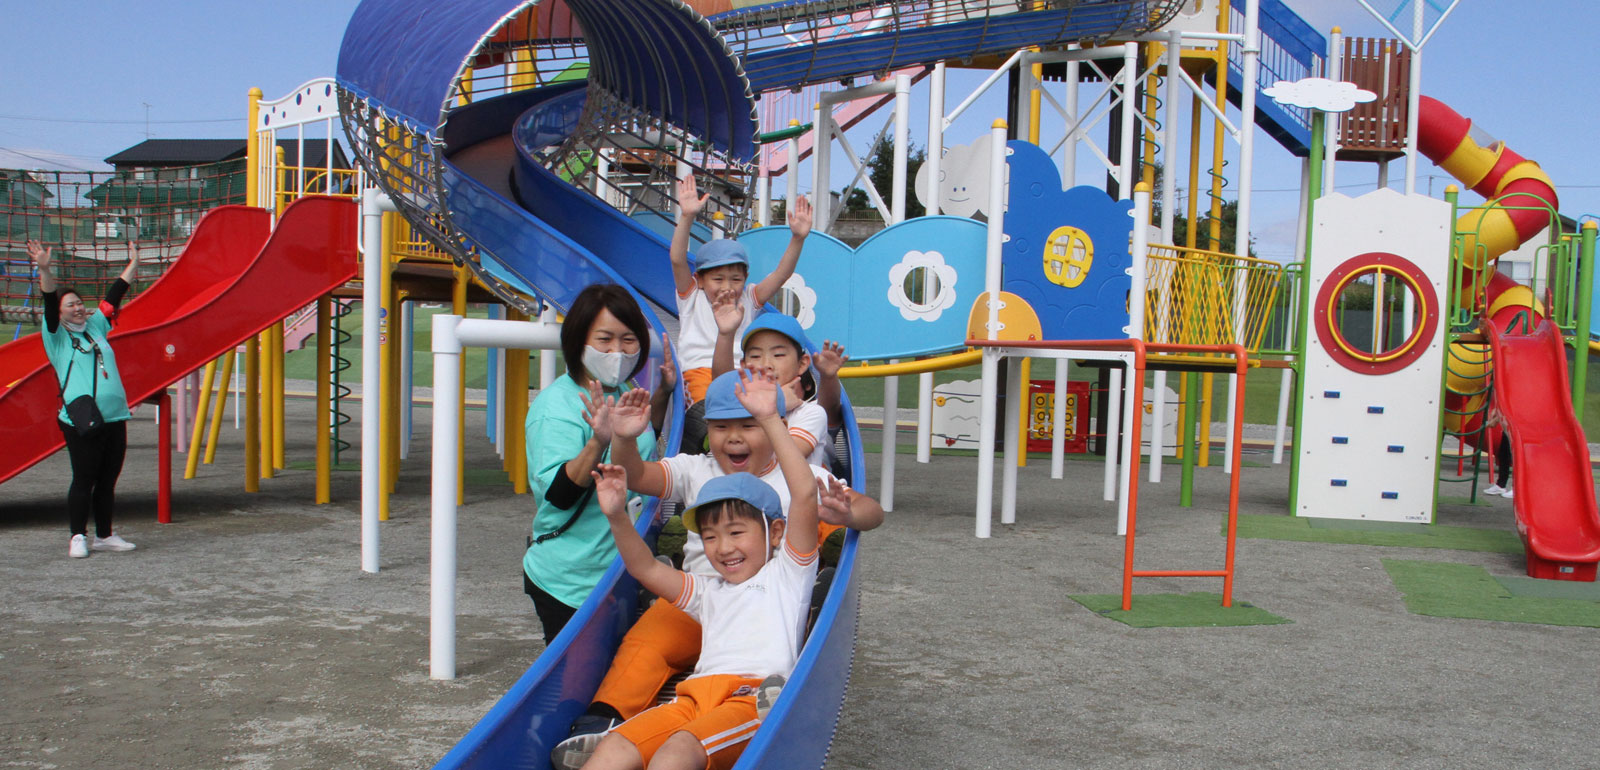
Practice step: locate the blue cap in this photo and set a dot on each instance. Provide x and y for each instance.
(721, 252)
(787, 325)
(736, 486)
(722, 400)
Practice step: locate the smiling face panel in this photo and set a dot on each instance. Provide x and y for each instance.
(963, 179)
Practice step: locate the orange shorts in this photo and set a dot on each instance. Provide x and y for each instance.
(695, 382)
(718, 710)
(664, 641)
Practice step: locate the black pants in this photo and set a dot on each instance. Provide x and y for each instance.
(553, 615)
(694, 430)
(96, 464)
(1502, 460)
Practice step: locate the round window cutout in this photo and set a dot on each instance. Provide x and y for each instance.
(921, 286)
(1361, 313)
(787, 302)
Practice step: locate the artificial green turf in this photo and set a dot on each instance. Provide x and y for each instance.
(1444, 590)
(1551, 589)
(1198, 609)
(1395, 534)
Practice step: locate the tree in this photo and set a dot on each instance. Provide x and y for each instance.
(880, 171)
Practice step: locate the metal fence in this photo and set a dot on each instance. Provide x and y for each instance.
(1196, 297)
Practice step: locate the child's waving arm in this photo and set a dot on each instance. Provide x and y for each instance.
(799, 228)
(828, 361)
(611, 489)
(729, 313)
(758, 392)
(846, 507)
(690, 203)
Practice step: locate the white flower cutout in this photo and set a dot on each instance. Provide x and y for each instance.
(1319, 94)
(922, 286)
(797, 299)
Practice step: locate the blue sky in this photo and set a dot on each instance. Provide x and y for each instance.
(78, 76)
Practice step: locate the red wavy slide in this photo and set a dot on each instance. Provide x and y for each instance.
(231, 281)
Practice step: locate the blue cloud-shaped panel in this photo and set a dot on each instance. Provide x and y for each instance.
(1096, 308)
(860, 294)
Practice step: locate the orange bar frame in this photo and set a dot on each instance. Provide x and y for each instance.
(1140, 350)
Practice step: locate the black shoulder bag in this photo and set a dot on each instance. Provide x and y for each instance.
(83, 411)
(577, 509)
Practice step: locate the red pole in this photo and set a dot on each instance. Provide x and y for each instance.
(164, 461)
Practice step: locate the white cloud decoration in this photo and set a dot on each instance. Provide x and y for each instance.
(1319, 94)
(938, 282)
(963, 179)
(804, 304)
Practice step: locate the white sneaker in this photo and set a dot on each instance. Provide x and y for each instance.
(1494, 489)
(78, 548)
(113, 543)
(1506, 493)
(767, 694)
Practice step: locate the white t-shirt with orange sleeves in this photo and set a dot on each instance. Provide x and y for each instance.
(697, 328)
(809, 422)
(752, 629)
(686, 474)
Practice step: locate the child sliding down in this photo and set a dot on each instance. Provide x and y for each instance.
(752, 614)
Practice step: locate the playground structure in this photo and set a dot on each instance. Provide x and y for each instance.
(529, 150)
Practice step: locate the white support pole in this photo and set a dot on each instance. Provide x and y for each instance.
(496, 405)
(1138, 290)
(821, 146)
(373, 204)
(547, 359)
(1112, 431)
(1247, 144)
(1015, 393)
(450, 334)
(1058, 422)
(1130, 84)
(1413, 107)
(897, 214)
(1169, 144)
(1285, 391)
(792, 174)
(1134, 395)
(991, 285)
(1330, 151)
(1286, 384)
(763, 198)
(1069, 160)
(408, 319)
(933, 161)
(1158, 426)
(442, 585)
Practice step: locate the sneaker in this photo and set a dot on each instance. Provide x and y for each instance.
(113, 543)
(767, 694)
(587, 731)
(78, 548)
(1494, 489)
(1506, 493)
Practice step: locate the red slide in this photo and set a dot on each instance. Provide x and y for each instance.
(231, 282)
(1554, 501)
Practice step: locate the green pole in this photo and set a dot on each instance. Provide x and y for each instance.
(1191, 416)
(1580, 373)
(1453, 289)
(1314, 181)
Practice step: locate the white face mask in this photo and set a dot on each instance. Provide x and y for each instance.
(608, 368)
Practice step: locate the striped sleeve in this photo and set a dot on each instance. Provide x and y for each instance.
(804, 560)
(689, 596)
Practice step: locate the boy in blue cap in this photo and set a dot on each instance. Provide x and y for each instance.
(717, 285)
(752, 612)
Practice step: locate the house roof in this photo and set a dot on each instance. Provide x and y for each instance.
(189, 152)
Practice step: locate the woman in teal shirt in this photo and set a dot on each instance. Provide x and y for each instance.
(75, 342)
(605, 341)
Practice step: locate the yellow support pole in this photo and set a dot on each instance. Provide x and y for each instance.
(222, 403)
(252, 415)
(386, 428)
(263, 398)
(324, 399)
(1025, 413)
(1214, 235)
(1035, 101)
(252, 163)
(458, 305)
(278, 382)
(517, 372)
(206, 379)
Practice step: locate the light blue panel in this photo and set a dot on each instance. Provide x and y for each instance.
(824, 269)
(1097, 307)
(860, 297)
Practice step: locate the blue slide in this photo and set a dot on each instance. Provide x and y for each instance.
(524, 230)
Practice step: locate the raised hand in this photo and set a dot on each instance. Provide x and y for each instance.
(758, 392)
(830, 359)
(833, 502)
(611, 489)
(669, 372)
(800, 217)
(690, 200)
(597, 411)
(728, 311)
(631, 414)
(40, 254)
